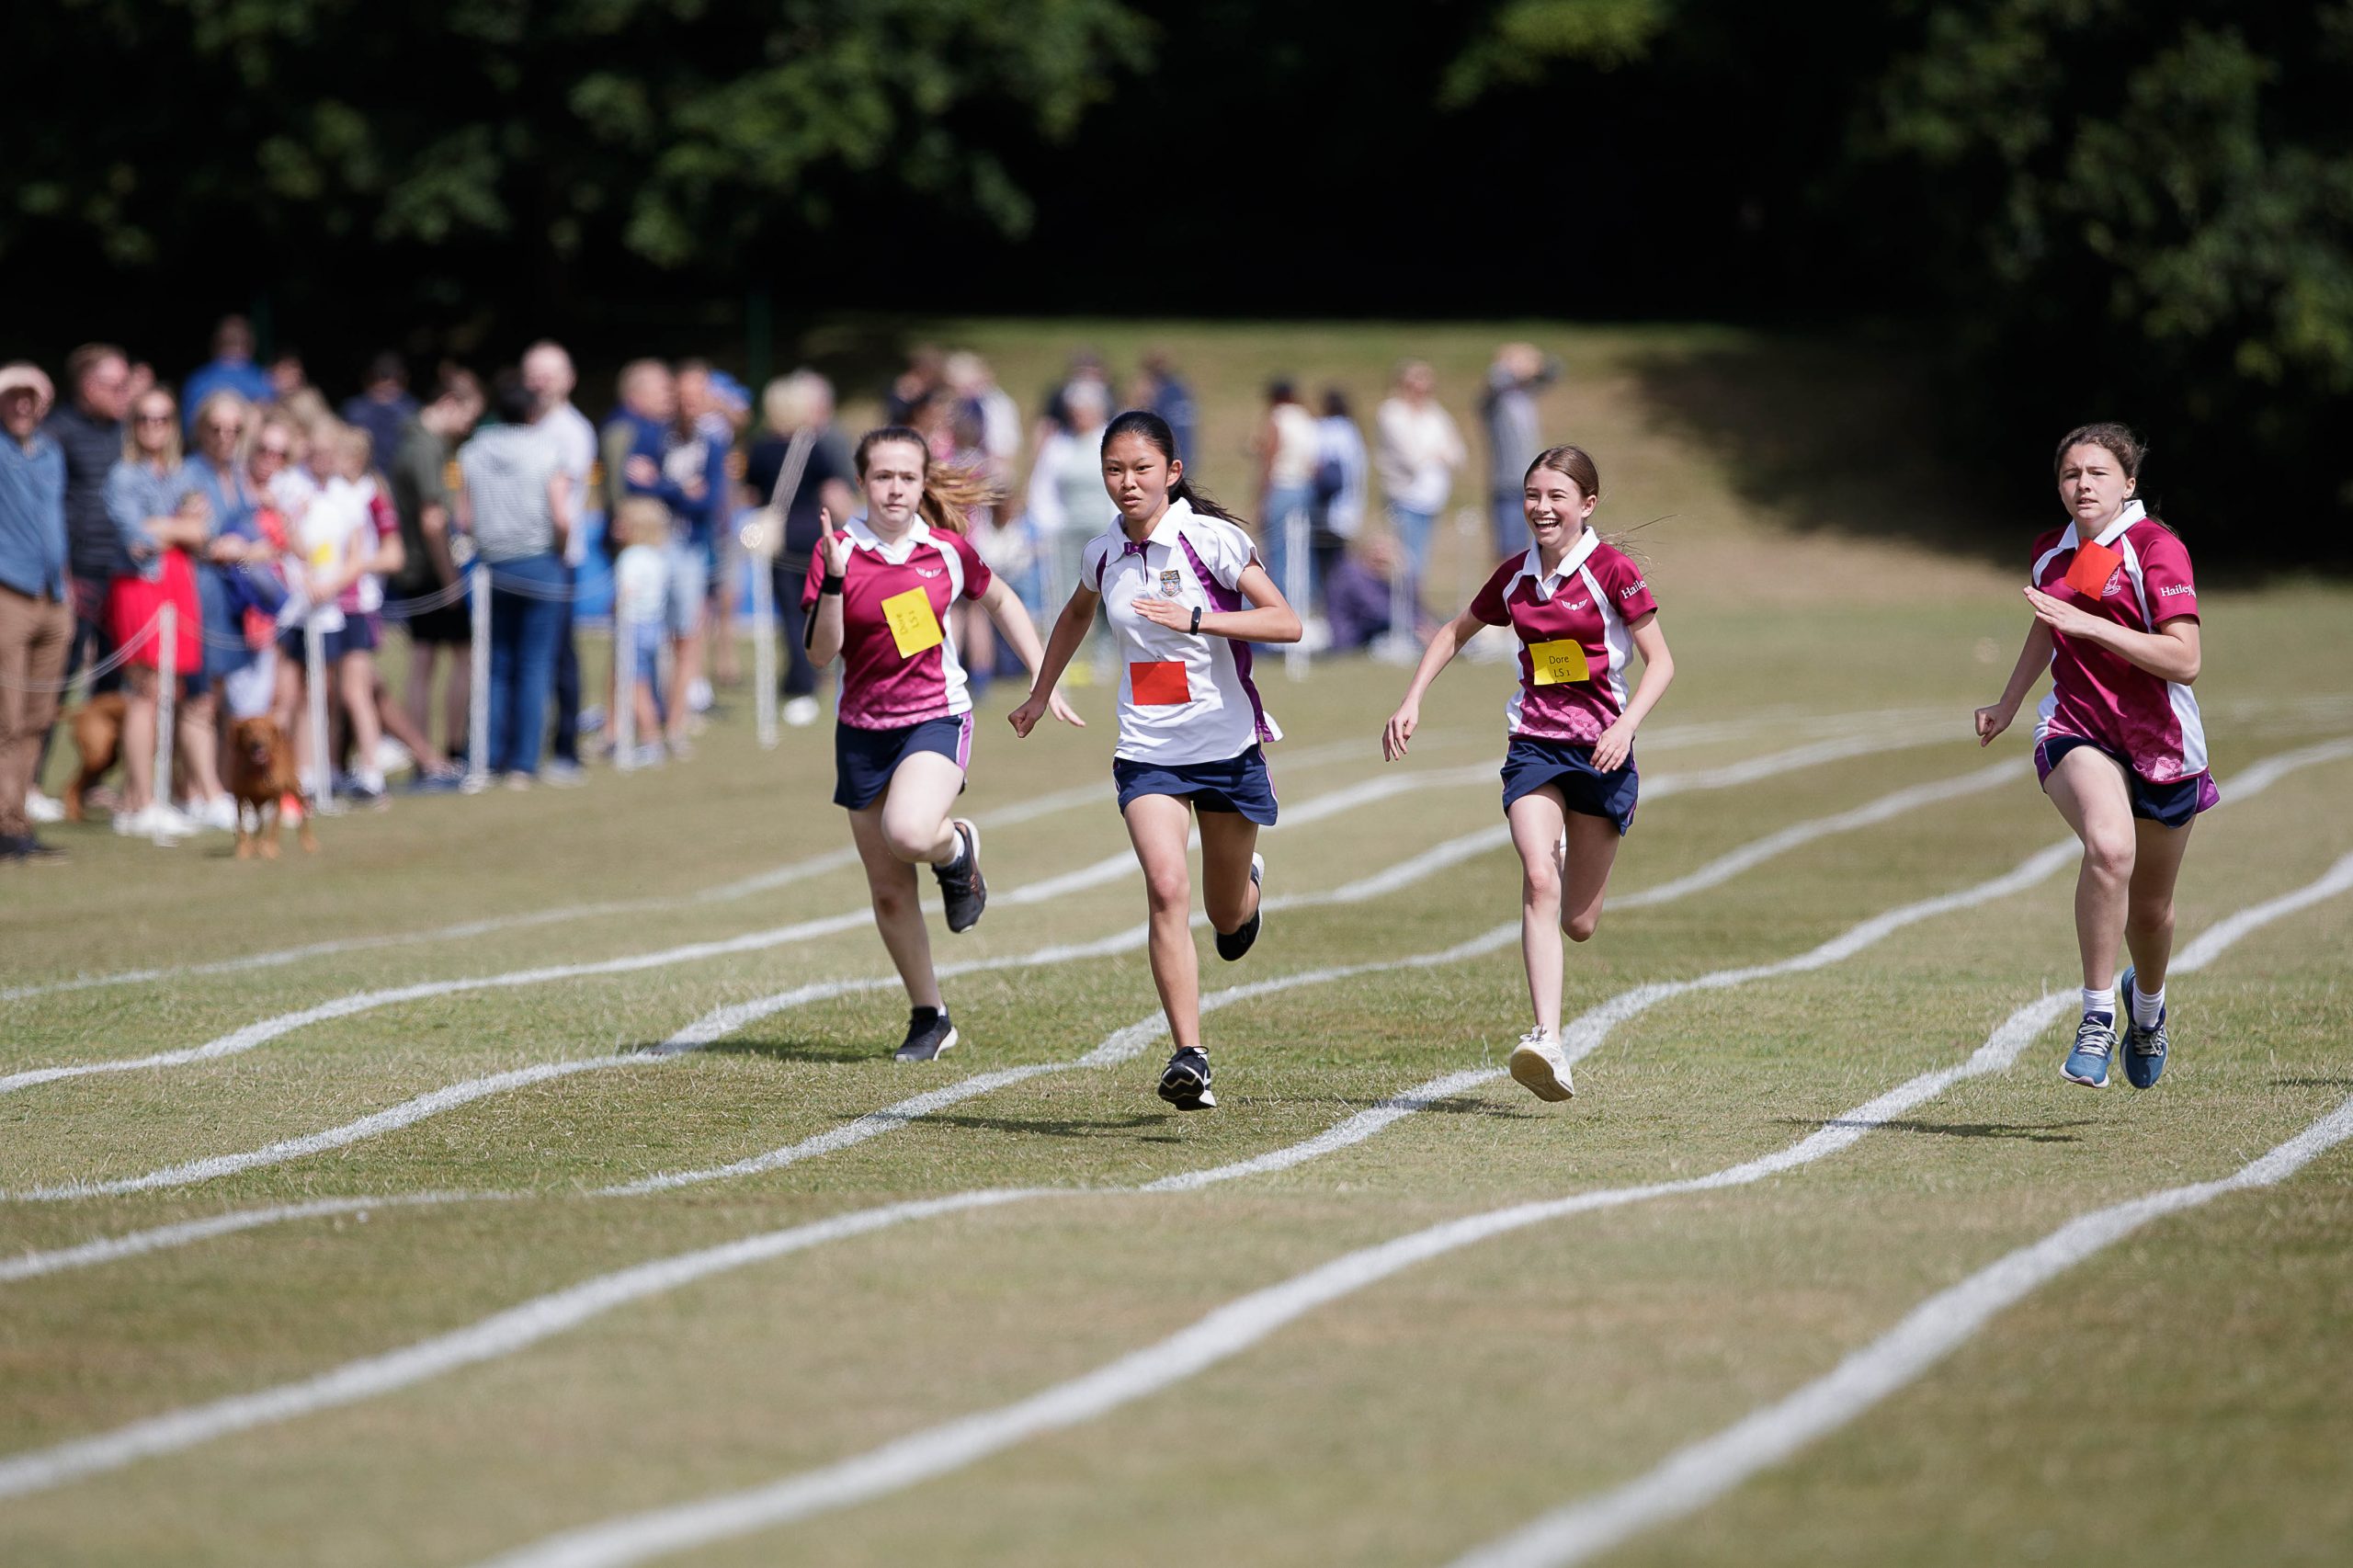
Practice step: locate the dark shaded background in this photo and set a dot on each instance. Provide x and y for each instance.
(2067, 209)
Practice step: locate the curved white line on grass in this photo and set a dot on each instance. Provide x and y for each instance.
(1578, 1039)
(1222, 1334)
(107, 1249)
(845, 857)
(257, 1034)
(1695, 1476)
(1124, 1045)
(765, 881)
(501, 1334)
(1244, 1323)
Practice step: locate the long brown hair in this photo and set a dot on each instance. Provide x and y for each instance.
(949, 493)
(1576, 465)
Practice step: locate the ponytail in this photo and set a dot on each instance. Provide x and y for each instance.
(949, 493)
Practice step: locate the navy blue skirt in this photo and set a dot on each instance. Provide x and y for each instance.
(865, 760)
(1237, 784)
(1531, 765)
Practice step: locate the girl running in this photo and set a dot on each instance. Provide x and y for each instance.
(2118, 742)
(1182, 587)
(878, 593)
(1581, 608)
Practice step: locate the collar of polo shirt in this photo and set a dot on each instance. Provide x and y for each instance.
(1164, 532)
(2133, 512)
(864, 537)
(1532, 565)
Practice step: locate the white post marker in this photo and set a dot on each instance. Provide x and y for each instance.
(763, 647)
(478, 688)
(623, 722)
(167, 690)
(1295, 589)
(1467, 576)
(1399, 645)
(314, 704)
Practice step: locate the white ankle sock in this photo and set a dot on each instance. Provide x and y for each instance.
(2103, 1002)
(2148, 1009)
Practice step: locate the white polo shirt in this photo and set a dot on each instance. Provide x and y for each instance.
(1184, 698)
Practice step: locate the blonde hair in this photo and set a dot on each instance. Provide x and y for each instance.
(213, 403)
(174, 452)
(791, 403)
(641, 519)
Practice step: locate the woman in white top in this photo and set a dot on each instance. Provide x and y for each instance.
(1286, 447)
(1186, 596)
(1419, 450)
(1066, 504)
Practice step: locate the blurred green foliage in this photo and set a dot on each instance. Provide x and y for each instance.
(2130, 208)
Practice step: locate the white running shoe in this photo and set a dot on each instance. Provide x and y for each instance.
(699, 696)
(803, 711)
(40, 808)
(219, 813)
(1538, 1066)
(391, 757)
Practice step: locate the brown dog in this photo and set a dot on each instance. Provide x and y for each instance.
(261, 775)
(97, 735)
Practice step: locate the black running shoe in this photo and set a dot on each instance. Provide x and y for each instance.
(1232, 944)
(962, 887)
(928, 1040)
(1185, 1081)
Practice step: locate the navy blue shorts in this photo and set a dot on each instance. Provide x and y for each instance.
(1531, 765)
(2168, 805)
(357, 636)
(1238, 784)
(865, 760)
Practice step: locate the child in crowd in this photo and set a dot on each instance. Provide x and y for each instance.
(641, 592)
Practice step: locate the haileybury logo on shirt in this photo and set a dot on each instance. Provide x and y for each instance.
(1630, 589)
(2176, 588)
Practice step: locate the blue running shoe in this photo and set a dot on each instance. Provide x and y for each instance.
(2095, 1045)
(2144, 1050)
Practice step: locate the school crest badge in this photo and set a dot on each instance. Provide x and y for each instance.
(1172, 582)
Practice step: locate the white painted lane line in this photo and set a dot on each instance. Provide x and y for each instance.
(516, 1327)
(108, 1249)
(728, 1019)
(267, 1030)
(1224, 1333)
(1697, 1475)
(1582, 1036)
(1906, 720)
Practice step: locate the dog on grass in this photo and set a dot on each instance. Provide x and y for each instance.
(262, 776)
(97, 735)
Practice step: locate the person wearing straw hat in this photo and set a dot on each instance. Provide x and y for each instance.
(36, 616)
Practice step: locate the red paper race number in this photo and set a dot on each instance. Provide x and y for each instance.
(2094, 564)
(1159, 684)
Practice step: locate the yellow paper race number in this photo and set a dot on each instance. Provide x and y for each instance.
(914, 625)
(1559, 663)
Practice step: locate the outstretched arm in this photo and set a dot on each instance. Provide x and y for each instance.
(2033, 659)
(1004, 608)
(1070, 630)
(1398, 733)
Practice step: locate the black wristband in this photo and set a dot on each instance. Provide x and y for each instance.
(832, 585)
(1197, 617)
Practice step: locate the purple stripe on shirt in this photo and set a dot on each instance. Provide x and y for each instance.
(1223, 598)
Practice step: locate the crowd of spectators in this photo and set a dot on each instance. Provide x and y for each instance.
(288, 536)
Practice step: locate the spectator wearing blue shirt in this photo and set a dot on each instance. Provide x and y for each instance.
(1170, 398)
(35, 618)
(231, 369)
(383, 407)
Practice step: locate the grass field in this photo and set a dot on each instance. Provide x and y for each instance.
(406, 1321)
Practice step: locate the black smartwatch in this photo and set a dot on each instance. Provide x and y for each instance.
(1197, 617)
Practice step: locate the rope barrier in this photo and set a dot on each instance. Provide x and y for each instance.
(105, 667)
